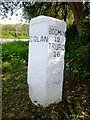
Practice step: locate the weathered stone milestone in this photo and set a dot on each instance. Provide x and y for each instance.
(46, 60)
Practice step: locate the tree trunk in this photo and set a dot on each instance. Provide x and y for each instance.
(78, 11)
(65, 13)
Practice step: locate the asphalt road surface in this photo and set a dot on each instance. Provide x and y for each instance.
(3, 40)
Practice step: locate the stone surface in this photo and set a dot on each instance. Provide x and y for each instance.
(46, 60)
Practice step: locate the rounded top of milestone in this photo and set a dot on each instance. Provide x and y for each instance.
(43, 18)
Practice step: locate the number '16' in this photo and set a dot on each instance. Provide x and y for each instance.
(56, 54)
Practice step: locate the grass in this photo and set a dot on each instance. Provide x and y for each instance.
(14, 34)
(17, 31)
(16, 103)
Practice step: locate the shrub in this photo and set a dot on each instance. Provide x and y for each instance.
(77, 53)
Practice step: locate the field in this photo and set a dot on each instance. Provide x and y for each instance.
(17, 31)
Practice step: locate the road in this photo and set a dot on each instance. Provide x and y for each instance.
(4, 40)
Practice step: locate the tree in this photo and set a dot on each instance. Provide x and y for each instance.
(58, 10)
(54, 9)
(8, 7)
(78, 12)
